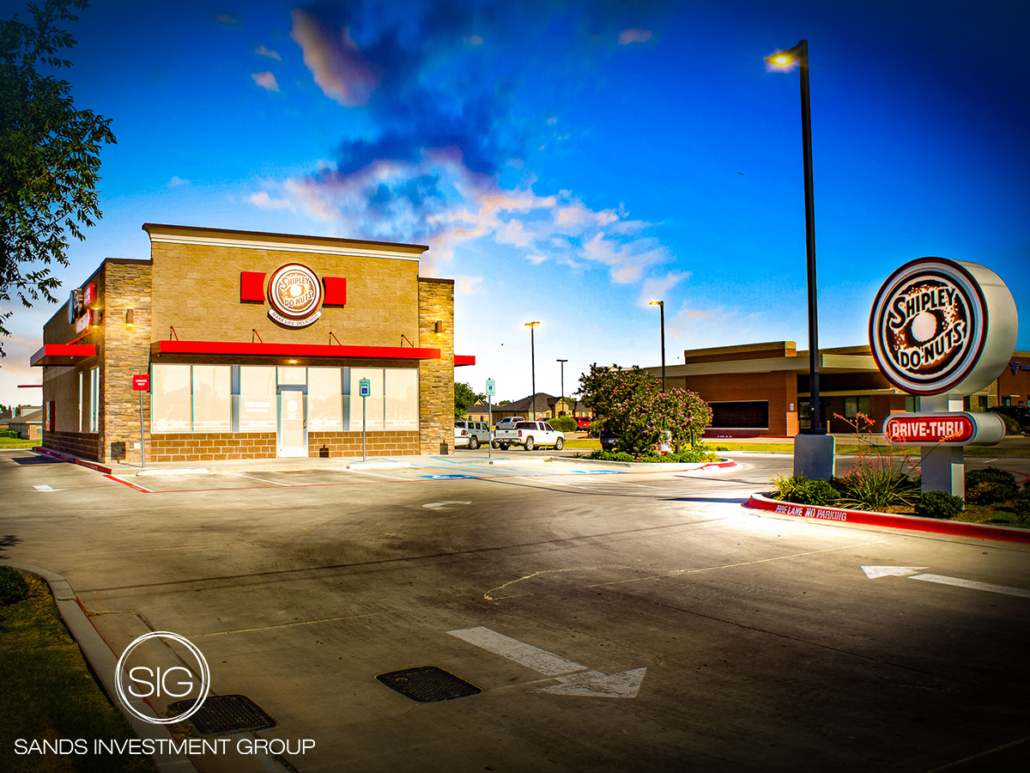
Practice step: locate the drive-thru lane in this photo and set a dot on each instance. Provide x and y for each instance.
(760, 643)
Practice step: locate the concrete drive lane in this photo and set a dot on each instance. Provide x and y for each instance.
(766, 644)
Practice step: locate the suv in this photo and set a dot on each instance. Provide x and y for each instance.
(582, 422)
(471, 433)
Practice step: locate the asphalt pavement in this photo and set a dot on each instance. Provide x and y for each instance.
(611, 620)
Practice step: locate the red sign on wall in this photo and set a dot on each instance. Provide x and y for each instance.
(928, 430)
(141, 383)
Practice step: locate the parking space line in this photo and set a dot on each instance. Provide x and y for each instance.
(130, 485)
(263, 480)
(377, 474)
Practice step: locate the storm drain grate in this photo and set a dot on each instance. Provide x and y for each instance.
(428, 683)
(225, 714)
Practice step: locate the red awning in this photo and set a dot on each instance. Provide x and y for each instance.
(464, 359)
(293, 350)
(62, 354)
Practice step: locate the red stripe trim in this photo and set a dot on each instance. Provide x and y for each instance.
(464, 359)
(130, 485)
(62, 350)
(894, 521)
(293, 350)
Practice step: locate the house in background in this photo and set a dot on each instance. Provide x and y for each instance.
(546, 407)
(26, 420)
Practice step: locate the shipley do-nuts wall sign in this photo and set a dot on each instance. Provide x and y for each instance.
(295, 294)
(943, 327)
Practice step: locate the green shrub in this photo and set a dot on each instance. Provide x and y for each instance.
(563, 424)
(800, 490)
(990, 485)
(612, 456)
(13, 587)
(939, 504)
(875, 486)
(1011, 425)
(1021, 504)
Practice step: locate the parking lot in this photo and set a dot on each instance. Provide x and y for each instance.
(694, 634)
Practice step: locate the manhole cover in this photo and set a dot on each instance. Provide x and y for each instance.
(428, 683)
(225, 714)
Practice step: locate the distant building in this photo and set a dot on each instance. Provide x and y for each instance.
(26, 420)
(762, 389)
(546, 407)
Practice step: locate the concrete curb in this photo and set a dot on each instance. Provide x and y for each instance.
(104, 663)
(648, 466)
(72, 459)
(891, 520)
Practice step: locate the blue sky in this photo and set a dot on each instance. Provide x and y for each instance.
(568, 162)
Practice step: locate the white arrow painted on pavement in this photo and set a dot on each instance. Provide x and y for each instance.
(45, 487)
(576, 679)
(444, 505)
(872, 572)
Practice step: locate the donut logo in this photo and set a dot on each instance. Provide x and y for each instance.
(928, 326)
(295, 295)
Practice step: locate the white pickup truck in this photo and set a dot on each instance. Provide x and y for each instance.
(529, 435)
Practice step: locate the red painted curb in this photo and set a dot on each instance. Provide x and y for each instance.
(130, 485)
(892, 520)
(73, 459)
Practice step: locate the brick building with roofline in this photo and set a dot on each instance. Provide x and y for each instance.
(257, 345)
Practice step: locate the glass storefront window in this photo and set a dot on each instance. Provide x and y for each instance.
(170, 396)
(401, 398)
(292, 376)
(374, 403)
(325, 400)
(257, 404)
(212, 398)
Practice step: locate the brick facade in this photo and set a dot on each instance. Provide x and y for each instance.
(190, 291)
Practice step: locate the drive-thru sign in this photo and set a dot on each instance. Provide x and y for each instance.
(940, 330)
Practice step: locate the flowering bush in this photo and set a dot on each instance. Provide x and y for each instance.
(879, 478)
(630, 404)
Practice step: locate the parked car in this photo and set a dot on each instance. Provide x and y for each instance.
(471, 433)
(1020, 413)
(608, 439)
(583, 422)
(508, 422)
(530, 435)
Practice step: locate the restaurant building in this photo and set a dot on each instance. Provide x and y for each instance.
(257, 346)
(762, 389)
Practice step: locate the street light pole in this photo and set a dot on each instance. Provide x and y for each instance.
(532, 361)
(563, 380)
(661, 308)
(799, 53)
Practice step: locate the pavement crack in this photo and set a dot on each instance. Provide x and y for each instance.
(488, 597)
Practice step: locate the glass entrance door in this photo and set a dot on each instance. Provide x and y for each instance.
(293, 425)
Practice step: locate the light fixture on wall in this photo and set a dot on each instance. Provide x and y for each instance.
(128, 318)
(438, 327)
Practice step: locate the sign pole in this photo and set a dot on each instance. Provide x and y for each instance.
(364, 403)
(142, 440)
(490, 389)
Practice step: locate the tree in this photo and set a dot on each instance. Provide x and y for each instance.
(49, 156)
(464, 397)
(631, 405)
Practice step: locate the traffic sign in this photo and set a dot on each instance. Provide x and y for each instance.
(366, 387)
(141, 383)
(490, 384)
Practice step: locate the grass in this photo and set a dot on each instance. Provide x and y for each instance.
(49, 693)
(14, 442)
(998, 514)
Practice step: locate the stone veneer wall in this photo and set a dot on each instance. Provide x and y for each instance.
(436, 377)
(126, 353)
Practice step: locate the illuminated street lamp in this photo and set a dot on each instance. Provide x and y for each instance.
(532, 361)
(661, 306)
(799, 53)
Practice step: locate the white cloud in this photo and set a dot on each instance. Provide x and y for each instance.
(225, 18)
(265, 80)
(262, 51)
(468, 285)
(338, 66)
(262, 200)
(634, 35)
(176, 181)
(473, 40)
(655, 288)
(625, 260)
